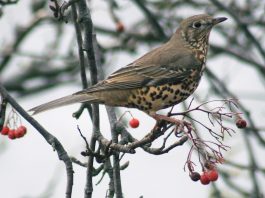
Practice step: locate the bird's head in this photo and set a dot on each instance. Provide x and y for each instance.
(197, 28)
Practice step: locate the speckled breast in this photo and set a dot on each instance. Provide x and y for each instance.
(154, 98)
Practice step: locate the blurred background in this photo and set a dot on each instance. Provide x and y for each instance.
(39, 62)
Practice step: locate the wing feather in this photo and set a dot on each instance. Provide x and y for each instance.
(161, 69)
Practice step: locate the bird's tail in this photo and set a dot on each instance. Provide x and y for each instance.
(67, 100)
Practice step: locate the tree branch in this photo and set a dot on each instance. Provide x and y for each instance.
(87, 45)
(53, 141)
(116, 160)
(20, 38)
(252, 160)
(242, 25)
(153, 20)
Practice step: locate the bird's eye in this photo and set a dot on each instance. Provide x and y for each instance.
(196, 25)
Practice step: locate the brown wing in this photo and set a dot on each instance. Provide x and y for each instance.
(155, 68)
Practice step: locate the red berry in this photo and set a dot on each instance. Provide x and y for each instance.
(204, 178)
(212, 175)
(19, 133)
(24, 129)
(134, 123)
(5, 130)
(195, 176)
(241, 123)
(11, 134)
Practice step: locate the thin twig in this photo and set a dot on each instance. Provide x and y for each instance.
(153, 20)
(242, 25)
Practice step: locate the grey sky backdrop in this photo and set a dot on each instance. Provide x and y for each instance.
(29, 167)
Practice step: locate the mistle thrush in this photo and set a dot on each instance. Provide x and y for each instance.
(161, 78)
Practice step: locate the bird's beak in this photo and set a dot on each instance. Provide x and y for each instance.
(218, 20)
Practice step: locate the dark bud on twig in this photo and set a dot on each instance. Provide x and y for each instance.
(100, 158)
(56, 15)
(125, 165)
(120, 27)
(52, 8)
(84, 153)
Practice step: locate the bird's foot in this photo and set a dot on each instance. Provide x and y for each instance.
(180, 124)
(159, 117)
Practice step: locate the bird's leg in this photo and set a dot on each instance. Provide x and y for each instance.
(159, 117)
(177, 122)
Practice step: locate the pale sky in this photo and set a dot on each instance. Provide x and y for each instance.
(28, 165)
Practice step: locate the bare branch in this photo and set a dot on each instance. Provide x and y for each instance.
(53, 141)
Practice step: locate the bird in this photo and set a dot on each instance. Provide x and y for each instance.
(163, 77)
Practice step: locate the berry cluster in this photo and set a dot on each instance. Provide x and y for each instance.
(210, 174)
(13, 127)
(14, 133)
(206, 177)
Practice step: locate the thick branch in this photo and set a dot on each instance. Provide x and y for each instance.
(53, 141)
(87, 25)
(116, 161)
